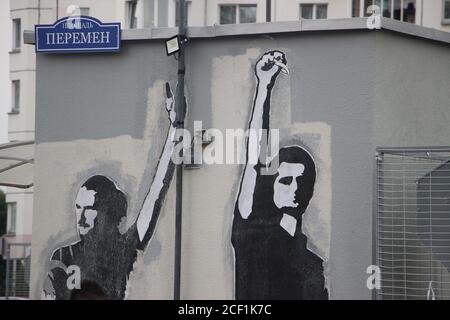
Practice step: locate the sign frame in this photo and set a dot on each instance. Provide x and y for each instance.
(42, 30)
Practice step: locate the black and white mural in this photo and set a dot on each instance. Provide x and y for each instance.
(272, 259)
(280, 230)
(98, 265)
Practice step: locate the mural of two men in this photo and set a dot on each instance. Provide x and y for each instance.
(271, 256)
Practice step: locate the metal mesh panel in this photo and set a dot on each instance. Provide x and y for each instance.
(413, 223)
(18, 259)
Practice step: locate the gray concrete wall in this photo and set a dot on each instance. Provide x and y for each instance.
(412, 92)
(331, 82)
(97, 103)
(104, 114)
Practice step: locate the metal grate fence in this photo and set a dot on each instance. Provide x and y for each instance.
(18, 258)
(413, 223)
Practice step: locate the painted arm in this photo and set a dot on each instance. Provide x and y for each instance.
(163, 175)
(267, 70)
(48, 292)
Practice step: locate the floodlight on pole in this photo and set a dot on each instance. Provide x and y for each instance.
(173, 45)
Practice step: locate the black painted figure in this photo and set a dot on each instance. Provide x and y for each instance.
(89, 291)
(103, 255)
(272, 259)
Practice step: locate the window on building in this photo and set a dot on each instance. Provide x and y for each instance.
(313, 11)
(402, 10)
(387, 8)
(356, 8)
(230, 14)
(131, 19)
(360, 7)
(367, 4)
(321, 11)
(11, 217)
(306, 11)
(15, 96)
(409, 11)
(17, 34)
(84, 11)
(446, 12)
(412, 223)
(247, 14)
(393, 9)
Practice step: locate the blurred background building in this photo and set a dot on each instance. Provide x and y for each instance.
(163, 13)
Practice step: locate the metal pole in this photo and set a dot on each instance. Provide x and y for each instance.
(180, 107)
(7, 272)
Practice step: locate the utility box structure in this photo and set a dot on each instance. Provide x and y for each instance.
(102, 124)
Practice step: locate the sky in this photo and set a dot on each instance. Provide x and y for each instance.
(5, 88)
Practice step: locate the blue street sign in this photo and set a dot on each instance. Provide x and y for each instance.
(77, 34)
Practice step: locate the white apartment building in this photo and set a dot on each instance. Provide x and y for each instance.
(163, 13)
(427, 13)
(24, 14)
(5, 87)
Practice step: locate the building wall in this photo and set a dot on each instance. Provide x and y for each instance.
(330, 85)
(5, 86)
(22, 66)
(21, 125)
(414, 112)
(206, 13)
(24, 201)
(213, 10)
(432, 15)
(290, 10)
(105, 10)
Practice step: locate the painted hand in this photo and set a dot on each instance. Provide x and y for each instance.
(270, 65)
(170, 104)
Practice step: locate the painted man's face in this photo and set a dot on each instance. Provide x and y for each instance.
(85, 213)
(286, 185)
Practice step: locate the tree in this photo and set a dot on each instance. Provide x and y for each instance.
(2, 232)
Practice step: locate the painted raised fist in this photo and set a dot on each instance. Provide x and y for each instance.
(270, 65)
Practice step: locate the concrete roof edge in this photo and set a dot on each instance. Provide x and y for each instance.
(415, 30)
(275, 27)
